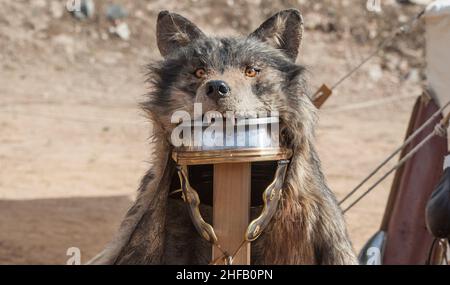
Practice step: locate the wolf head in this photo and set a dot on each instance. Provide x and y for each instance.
(243, 75)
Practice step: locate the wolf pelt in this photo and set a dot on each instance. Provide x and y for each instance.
(308, 227)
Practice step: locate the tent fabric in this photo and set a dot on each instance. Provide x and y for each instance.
(437, 23)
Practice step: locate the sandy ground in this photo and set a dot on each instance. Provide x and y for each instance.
(73, 144)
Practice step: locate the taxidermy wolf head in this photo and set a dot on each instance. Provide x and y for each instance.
(246, 76)
(243, 75)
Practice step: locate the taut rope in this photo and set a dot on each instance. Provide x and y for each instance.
(401, 30)
(324, 92)
(406, 143)
(439, 130)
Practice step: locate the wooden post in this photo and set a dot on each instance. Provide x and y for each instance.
(231, 209)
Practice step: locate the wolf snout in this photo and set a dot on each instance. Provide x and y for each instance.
(216, 89)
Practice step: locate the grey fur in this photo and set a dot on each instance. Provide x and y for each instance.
(308, 227)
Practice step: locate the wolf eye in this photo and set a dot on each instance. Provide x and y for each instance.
(200, 72)
(251, 71)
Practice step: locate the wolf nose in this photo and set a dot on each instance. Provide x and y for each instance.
(217, 89)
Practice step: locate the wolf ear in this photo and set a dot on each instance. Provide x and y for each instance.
(174, 31)
(283, 31)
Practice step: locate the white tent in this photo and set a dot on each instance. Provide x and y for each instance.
(437, 23)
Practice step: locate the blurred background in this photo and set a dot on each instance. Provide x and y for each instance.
(73, 142)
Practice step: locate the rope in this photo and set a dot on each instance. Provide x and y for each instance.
(228, 259)
(225, 254)
(219, 247)
(244, 242)
(406, 143)
(440, 130)
(403, 29)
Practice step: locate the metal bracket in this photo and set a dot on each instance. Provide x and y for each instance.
(271, 197)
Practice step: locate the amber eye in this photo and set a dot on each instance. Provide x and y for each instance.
(251, 72)
(200, 72)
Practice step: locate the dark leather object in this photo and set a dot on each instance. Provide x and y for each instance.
(438, 208)
(201, 179)
(408, 240)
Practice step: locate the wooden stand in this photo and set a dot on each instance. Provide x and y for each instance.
(231, 197)
(231, 209)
